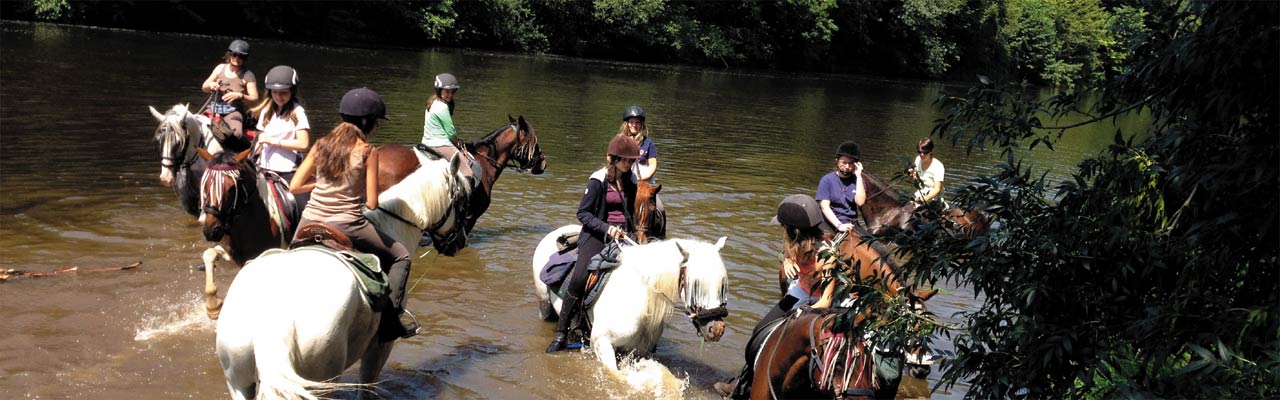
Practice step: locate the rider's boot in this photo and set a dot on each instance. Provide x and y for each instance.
(397, 324)
(568, 311)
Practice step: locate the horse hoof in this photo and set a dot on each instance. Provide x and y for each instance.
(546, 311)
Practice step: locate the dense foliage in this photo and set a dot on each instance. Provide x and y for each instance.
(1060, 42)
(1155, 271)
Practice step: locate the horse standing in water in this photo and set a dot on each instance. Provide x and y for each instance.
(293, 321)
(628, 315)
(886, 210)
(514, 145)
(651, 223)
(783, 361)
(178, 136)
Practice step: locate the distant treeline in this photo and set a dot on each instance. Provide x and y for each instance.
(1058, 42)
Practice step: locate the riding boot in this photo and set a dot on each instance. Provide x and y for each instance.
(568, 310)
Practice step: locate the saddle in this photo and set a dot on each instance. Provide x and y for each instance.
(322, 235)
(281, 205)
(476, 168)
(364, 268)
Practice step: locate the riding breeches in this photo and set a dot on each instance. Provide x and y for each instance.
(392, 255)
(588, 246)
(448, 151)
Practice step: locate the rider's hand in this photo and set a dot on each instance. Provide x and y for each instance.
(616, 232)
(845, 227)
(232, 96)
(790, 269)
(857, 168)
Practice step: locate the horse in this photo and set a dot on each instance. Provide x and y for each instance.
(177, 137)
(293, 321)
(788, 351)
(627, 317)
(886, 210)
(233, 214)
(651, 223)
(795, 361)
(514, 145)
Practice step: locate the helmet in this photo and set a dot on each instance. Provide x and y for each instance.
(447, 81)
(363, 102)
(800, 211)
(624, 147)
(849, 149)
(239, 47)
(282, 77)
(633, 111)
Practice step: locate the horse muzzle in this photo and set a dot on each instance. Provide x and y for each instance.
(539, 165)
(709, 322)
(712, 331)
(166, 176)
(213, 229)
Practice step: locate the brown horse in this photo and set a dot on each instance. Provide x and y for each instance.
(514, 145)
(233, 215)
(886, 210)
(790, 350)
(802, 359)
(651, 223)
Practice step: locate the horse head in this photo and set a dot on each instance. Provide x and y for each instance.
(180, 132)
(885, 208)
(226, 187)
(649, 224)
(527, 152)
(704, 287)
(430, 201)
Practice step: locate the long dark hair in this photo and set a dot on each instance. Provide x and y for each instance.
(797, 243)
(333, 152)
(612, 171)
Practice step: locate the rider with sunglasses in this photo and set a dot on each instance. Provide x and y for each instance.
(234, 86)
(929, 171)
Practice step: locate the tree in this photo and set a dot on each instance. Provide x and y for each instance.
(1155, 270)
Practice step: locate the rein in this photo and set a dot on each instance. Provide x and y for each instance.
(519, 156)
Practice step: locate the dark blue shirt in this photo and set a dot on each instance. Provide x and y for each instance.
(840, 193)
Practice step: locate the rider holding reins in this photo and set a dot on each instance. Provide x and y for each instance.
(438, 131)
(233, 86)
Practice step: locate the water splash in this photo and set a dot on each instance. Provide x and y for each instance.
(186, 314)
(652, 378)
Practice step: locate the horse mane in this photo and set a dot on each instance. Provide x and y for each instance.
(422, 197)
(875, 187)
(661, 272)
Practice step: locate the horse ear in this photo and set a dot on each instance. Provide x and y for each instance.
(720, 243)
(657, 189)
(455, 162)
(521, 119)
(683, 253)
(159, 116)
(925, 295)
(242, 156)
(204, 154)
(512, 120)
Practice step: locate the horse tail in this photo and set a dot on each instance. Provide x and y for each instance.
(274, 358)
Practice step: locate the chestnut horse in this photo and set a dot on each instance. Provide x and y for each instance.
(790, 351)
(177, 137)
(651, 223)
(790, 362)
(886, 209)
(514, 145)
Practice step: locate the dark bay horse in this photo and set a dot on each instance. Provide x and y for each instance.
(651, 223)
(886, 210)
(514, 145)
(177, 138)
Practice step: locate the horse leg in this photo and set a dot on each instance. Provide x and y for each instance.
(372, 362)
(212, 305)
(604, 350)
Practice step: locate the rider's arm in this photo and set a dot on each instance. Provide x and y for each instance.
(934, 191)
(303, 180)
(250, 92)
(860, 190)
(371, 179)
(646, 171)
(211, 84)
(586, 208)
(829, 291)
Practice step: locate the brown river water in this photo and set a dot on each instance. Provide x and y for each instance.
(79, 187)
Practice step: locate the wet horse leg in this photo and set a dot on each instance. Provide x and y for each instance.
(212, 305)
(375, 356)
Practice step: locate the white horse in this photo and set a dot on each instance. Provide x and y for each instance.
(292, 322)
(177, 137)
(629, 312)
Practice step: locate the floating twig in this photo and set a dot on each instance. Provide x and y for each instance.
(7, 274)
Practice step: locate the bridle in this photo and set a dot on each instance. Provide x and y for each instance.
(522, 156)
(221, 176)
(457, 211)
(698, 315)
(187, 145)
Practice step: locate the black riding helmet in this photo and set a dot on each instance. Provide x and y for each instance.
(282, 77)
(363, 102)
(447, 81)
(849, 149)
(633, 112)
(239, 47)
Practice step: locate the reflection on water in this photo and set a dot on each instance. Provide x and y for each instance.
(78, 188)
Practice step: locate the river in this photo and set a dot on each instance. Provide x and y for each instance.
(79, 187)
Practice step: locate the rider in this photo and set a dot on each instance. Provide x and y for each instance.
(605, 214)
(841, 192)
(345, 170)
(438, 131)
(234, 86)
(804, 227)
(283, 126)
(929, 171)
(633, 126)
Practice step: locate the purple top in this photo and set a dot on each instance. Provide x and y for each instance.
(613, 205)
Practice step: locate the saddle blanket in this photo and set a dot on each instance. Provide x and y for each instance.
(364, 267)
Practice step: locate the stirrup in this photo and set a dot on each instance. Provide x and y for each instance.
(409, 324)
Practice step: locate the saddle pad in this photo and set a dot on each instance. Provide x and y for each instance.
(364, 267)
(558, 267)
(280, 203)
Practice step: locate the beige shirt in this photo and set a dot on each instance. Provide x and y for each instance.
(344, 200)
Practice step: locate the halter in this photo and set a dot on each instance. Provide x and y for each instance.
(457, 209)
(187, 151)
(697, 315)
(219, 175)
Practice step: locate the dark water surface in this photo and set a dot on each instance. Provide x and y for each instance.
(79, 187)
